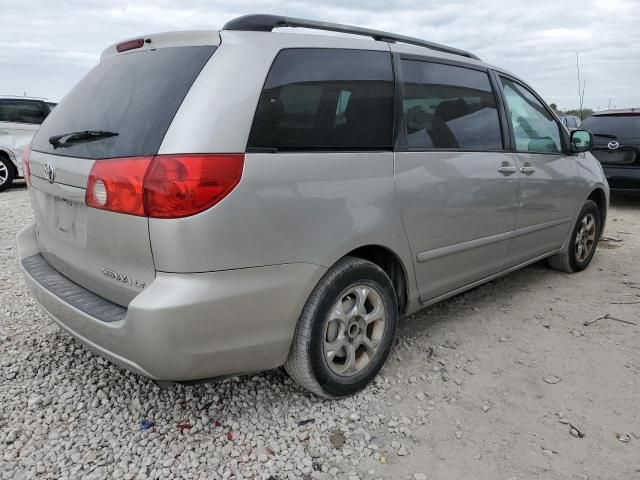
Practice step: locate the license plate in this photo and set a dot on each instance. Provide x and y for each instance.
(615, 156)
(65, 215)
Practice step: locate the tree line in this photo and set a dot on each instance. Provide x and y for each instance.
(575, 112)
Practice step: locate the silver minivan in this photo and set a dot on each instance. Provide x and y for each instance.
(213, 203)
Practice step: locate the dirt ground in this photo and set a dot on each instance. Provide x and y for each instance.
(496, 417)
(503, 382)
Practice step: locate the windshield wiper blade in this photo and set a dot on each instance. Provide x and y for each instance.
(605, 135)
(68, 139)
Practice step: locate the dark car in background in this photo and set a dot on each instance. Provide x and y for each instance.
(570, 121)
(617, 147)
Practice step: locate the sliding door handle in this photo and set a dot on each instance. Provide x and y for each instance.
(507, 170)
(527, 169)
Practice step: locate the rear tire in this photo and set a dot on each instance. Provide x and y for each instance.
(346, 330)
(6, 173)
(576, 255)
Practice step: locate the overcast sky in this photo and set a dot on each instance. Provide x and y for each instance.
(47, 46)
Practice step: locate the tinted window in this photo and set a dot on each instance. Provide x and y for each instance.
(570, 122)
(622, 126)
(449, 107)
(326, 99)
(135, 95)
(21, 111)
(534, 127)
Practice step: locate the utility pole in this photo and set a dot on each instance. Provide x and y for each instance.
(581, 84)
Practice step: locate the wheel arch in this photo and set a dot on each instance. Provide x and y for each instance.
(9, 156)
(600, 198)
(390, 262)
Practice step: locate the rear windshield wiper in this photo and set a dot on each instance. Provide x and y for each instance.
(605, 135)
(68, 139)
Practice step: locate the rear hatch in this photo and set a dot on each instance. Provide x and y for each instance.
(617, 138)
(127, 102)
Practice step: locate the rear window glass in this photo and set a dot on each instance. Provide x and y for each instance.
(326, 99)
(21, 111)
(449, 107)
(622, 126)
(135, 95)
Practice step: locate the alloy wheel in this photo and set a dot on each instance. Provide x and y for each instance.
(4, 173)
(354, 330)
(585, 237)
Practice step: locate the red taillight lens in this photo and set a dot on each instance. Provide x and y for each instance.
(26, 168)
(117, 185)
(183, 185)
(165, 186)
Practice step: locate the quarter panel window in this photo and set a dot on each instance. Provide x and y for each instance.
(21, 111)
(534, 128)
(326, 99)
(449, 107)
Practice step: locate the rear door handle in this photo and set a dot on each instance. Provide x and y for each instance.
(527, 170)
(507, 170)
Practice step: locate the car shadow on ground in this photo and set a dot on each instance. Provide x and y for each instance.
(17, 185)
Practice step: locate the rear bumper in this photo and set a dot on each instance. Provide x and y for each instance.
(623, 179)
(191, 326)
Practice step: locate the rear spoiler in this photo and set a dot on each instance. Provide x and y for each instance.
(162, 40)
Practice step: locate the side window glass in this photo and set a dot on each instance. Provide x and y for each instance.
(449, 107)
(534, 128)
(20, 111)
(326, 99)
(341, 108)
(4, 111)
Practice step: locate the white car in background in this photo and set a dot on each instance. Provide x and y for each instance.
(20, 117)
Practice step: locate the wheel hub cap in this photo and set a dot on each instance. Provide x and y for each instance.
(585, 237)
(354, 330)
(4, 173)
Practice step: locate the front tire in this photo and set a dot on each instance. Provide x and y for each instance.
(6, 173)
(346, 330)
(576, 255)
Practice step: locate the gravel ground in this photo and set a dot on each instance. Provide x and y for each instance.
(502, 382)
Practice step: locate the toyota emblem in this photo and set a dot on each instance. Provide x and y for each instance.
(613, 145)
(50, 172)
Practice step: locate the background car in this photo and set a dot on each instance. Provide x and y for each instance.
(617, 147)
(570, 121)
(20, 117)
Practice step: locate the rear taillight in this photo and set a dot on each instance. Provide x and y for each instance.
(26, 168)
(165, 186)
(179, 186)
(116, 185)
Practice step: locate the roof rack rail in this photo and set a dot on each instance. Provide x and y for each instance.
(266, 23)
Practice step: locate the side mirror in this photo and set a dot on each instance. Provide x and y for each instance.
(581, 141)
